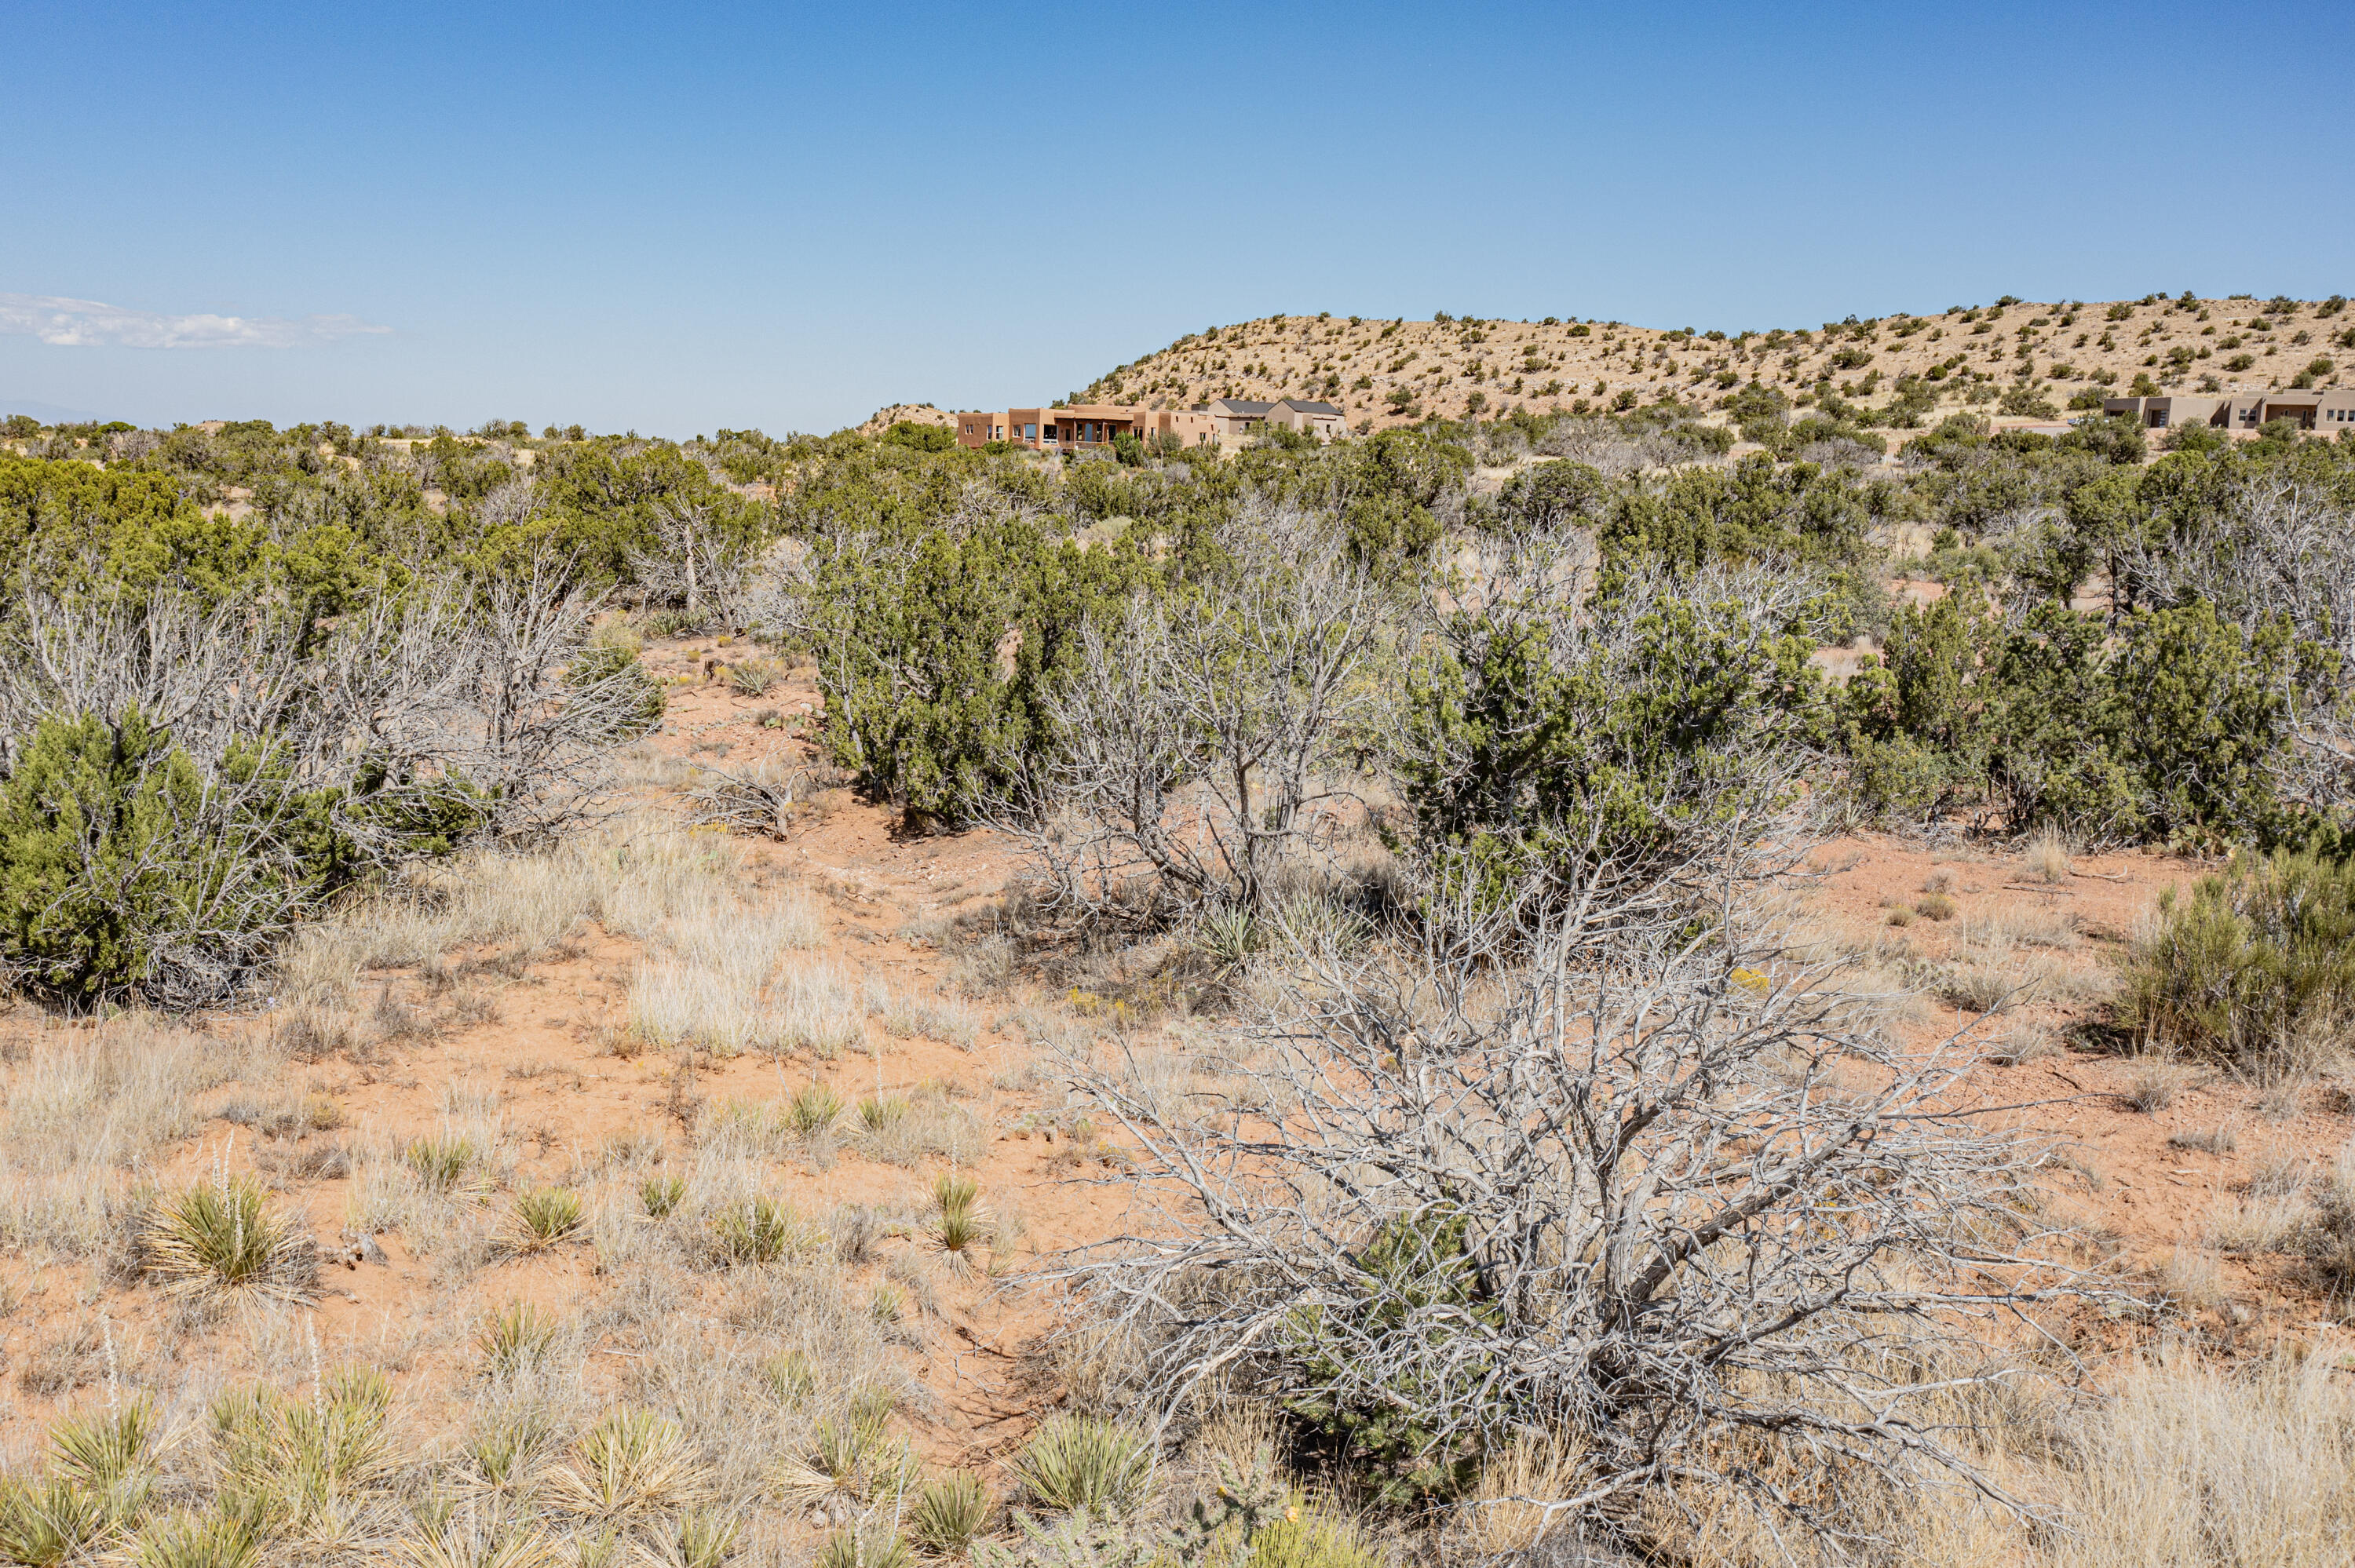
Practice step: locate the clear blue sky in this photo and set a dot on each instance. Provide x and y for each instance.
(673, 219)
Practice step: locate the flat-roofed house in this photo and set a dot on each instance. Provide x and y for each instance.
(1322, 420)
(1237, 420)
(2329, 409)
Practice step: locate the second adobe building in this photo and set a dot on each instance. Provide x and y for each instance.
(1080, 426)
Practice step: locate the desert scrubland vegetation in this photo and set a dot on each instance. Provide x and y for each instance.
(1528, 989)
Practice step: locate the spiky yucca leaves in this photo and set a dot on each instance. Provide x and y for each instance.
(301, 1469)
(1075, 1462)
(469, 1546)
(760, 1230)
(507, 1447)
(546, 1216)
(702, 1540)
(97, 1486)
(863, 1548)
(223, 1235)
(46, 1523)
(960, 1223)
(440, 1164)
(662, 1195)
(950, 1513)
(215, 1538)
(630, 1465)
(813, 1107)
(515, 1338)
(854, 1455)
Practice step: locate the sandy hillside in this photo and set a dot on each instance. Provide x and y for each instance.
(1393, 371)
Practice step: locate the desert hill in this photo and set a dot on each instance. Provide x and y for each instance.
(2013, 354)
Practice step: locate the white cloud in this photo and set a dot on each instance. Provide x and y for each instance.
(86, 324)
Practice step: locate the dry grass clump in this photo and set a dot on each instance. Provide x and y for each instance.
(2046, 858)
(85, 1103)
(818, 1013)
(2193, 1462)
(633, 877)
(2154, 1084)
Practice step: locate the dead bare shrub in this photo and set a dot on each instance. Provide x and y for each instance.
(1667, 1198)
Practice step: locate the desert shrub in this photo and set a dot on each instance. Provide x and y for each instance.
(935, 653)
(613, 667)
(1643, 1262)
(1226, 709)
(2256, 967)
(124, 869)
(1553, 746)
(2177, 724)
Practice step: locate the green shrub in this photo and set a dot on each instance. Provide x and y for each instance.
(2256, 967)
(603, 662)
(125, 870)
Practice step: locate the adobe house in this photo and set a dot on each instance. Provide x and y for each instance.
(1322, 420)
(1237, 418)
(1084, 427)
(2331, 409)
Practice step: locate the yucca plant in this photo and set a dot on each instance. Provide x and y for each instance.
(104, 1450)
(863, 1548)
(813, 1107)
(515, 1337)
(960, 1226)
(462, 1546)
(1078, 1462)
(630, 1463)
(879, 1112)
(759, 1230)
(46, 1523)
(507, 1450)
(216, 1539)
(950, 1513)
(546, 1216)
(662, 1194)
(790, 1375)
(854, 1455)
(440, 1164)
(291, 1463)
(887, 1303)
(703, 1540)
(224, 1235)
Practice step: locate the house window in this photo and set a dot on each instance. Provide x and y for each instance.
(1030, 432)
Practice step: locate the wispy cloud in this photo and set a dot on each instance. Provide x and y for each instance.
(86, 324)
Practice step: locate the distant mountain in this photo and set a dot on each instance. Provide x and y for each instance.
(47, 413)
